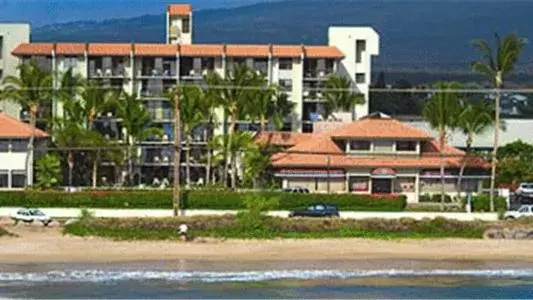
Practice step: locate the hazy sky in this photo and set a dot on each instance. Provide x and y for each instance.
(41, 12)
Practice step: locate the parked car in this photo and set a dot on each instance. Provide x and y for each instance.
(29, 215)
(300, 190)
(523, 211)
(525, 189)
(316, 210)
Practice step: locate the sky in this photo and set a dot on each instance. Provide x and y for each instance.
(44, 12)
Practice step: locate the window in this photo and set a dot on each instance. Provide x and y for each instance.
(208, 63)
(70, 63)
(360, 47)
(186, 25)
(285, 64)
(360, 78)
(406, 146)
(19, 145)
(286, 84)
(360, 145)
(4, 145)
(4, 178)
(18, 179)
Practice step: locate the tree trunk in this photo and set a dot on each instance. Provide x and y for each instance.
(262, 122)
(29, 155)
(469, 141)
(499, 84)
(209, 153)
(130, 165)
(70, 162)
(176, 197)
(233, 170)
(231, 132)
(187, 157)
(95, 169)
(442, 180)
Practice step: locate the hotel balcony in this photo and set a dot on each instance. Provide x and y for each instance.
(107, 67)
(157, 68)
(318, 69)
(195, 68)
(156, 88)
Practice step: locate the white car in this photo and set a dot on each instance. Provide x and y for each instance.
(523, 211)
(525, 189)
(29, 215)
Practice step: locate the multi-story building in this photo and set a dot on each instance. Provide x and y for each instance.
(149, 70)
(11, 35)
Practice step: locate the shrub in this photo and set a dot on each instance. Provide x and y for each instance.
(195, 199)
(433, 207)
(481, 203)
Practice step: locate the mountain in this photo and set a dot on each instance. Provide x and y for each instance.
(415, 35)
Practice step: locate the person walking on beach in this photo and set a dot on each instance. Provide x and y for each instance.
(183, 232)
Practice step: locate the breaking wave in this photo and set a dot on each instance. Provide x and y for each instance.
(248, 276)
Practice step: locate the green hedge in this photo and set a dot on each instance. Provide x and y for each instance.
(481, 203)
(194, 199)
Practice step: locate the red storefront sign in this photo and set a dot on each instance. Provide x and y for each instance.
(384, 171)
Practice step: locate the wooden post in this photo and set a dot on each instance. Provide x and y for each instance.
(177, 154)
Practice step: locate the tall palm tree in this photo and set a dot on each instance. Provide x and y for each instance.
(69, 134)
(238, 86)
(495, 64)
(136, 120)
(212, 101)
(473, 119)
(279, 109)
(338, 96)
(260, 105)
(97, 100)
(32, 89)
(441, 112)
(192, 114)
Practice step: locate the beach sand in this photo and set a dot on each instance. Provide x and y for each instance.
(38, 244)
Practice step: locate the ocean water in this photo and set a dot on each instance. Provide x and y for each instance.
(370, 279)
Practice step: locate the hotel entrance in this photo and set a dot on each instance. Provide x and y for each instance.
(381, 186)
(382, 180)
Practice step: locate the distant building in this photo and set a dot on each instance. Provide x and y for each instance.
(375, 155)
(149, 70)
(11, 35)
(14, 138)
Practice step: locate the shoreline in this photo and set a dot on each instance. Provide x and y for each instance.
(48, 245)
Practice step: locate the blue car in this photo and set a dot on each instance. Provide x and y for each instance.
(316, 211)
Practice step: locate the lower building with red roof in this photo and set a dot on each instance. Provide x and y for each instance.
(375, 155)
(14, 138)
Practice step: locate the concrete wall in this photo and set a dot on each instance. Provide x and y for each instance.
(345, 39)
(12, 34)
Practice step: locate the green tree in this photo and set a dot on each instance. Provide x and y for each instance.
(136, 120)
(280, 108)
(514, 163)
(97, 100)
(441, 112)
(32, 89)
(495, 64)
(339, 96)
(48, 171)
(234, 93)
(192, 114)
(474, 119)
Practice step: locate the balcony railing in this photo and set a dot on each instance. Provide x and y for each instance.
(117, 72)
(319, 74)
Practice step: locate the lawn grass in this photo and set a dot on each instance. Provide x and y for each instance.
(233, 227)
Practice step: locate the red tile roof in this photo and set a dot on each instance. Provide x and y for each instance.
(179, 9)
(70, 48)
(279, 138)
(247, 50)
(155, 50)
(323, 52)
(382, 128)
(13, 128)
(44, 49)
(111, 49)
(318, 143)
(201, 50)
(287, 51)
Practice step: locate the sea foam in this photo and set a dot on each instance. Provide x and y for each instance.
(247, 276)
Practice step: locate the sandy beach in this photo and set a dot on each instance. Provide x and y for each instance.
(37, 244)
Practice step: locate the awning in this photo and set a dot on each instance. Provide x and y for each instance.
(383, 173)
(311, 173)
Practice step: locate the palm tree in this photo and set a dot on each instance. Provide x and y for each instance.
(69, 134)
(136, 120)
(31, 90)
(338, 96)
(495, 65)
(473, 119)
(97, 100)
(279, 109)
(192, 114)
(260, 105)
(441, 112)
(238, 87)
(212, 100)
